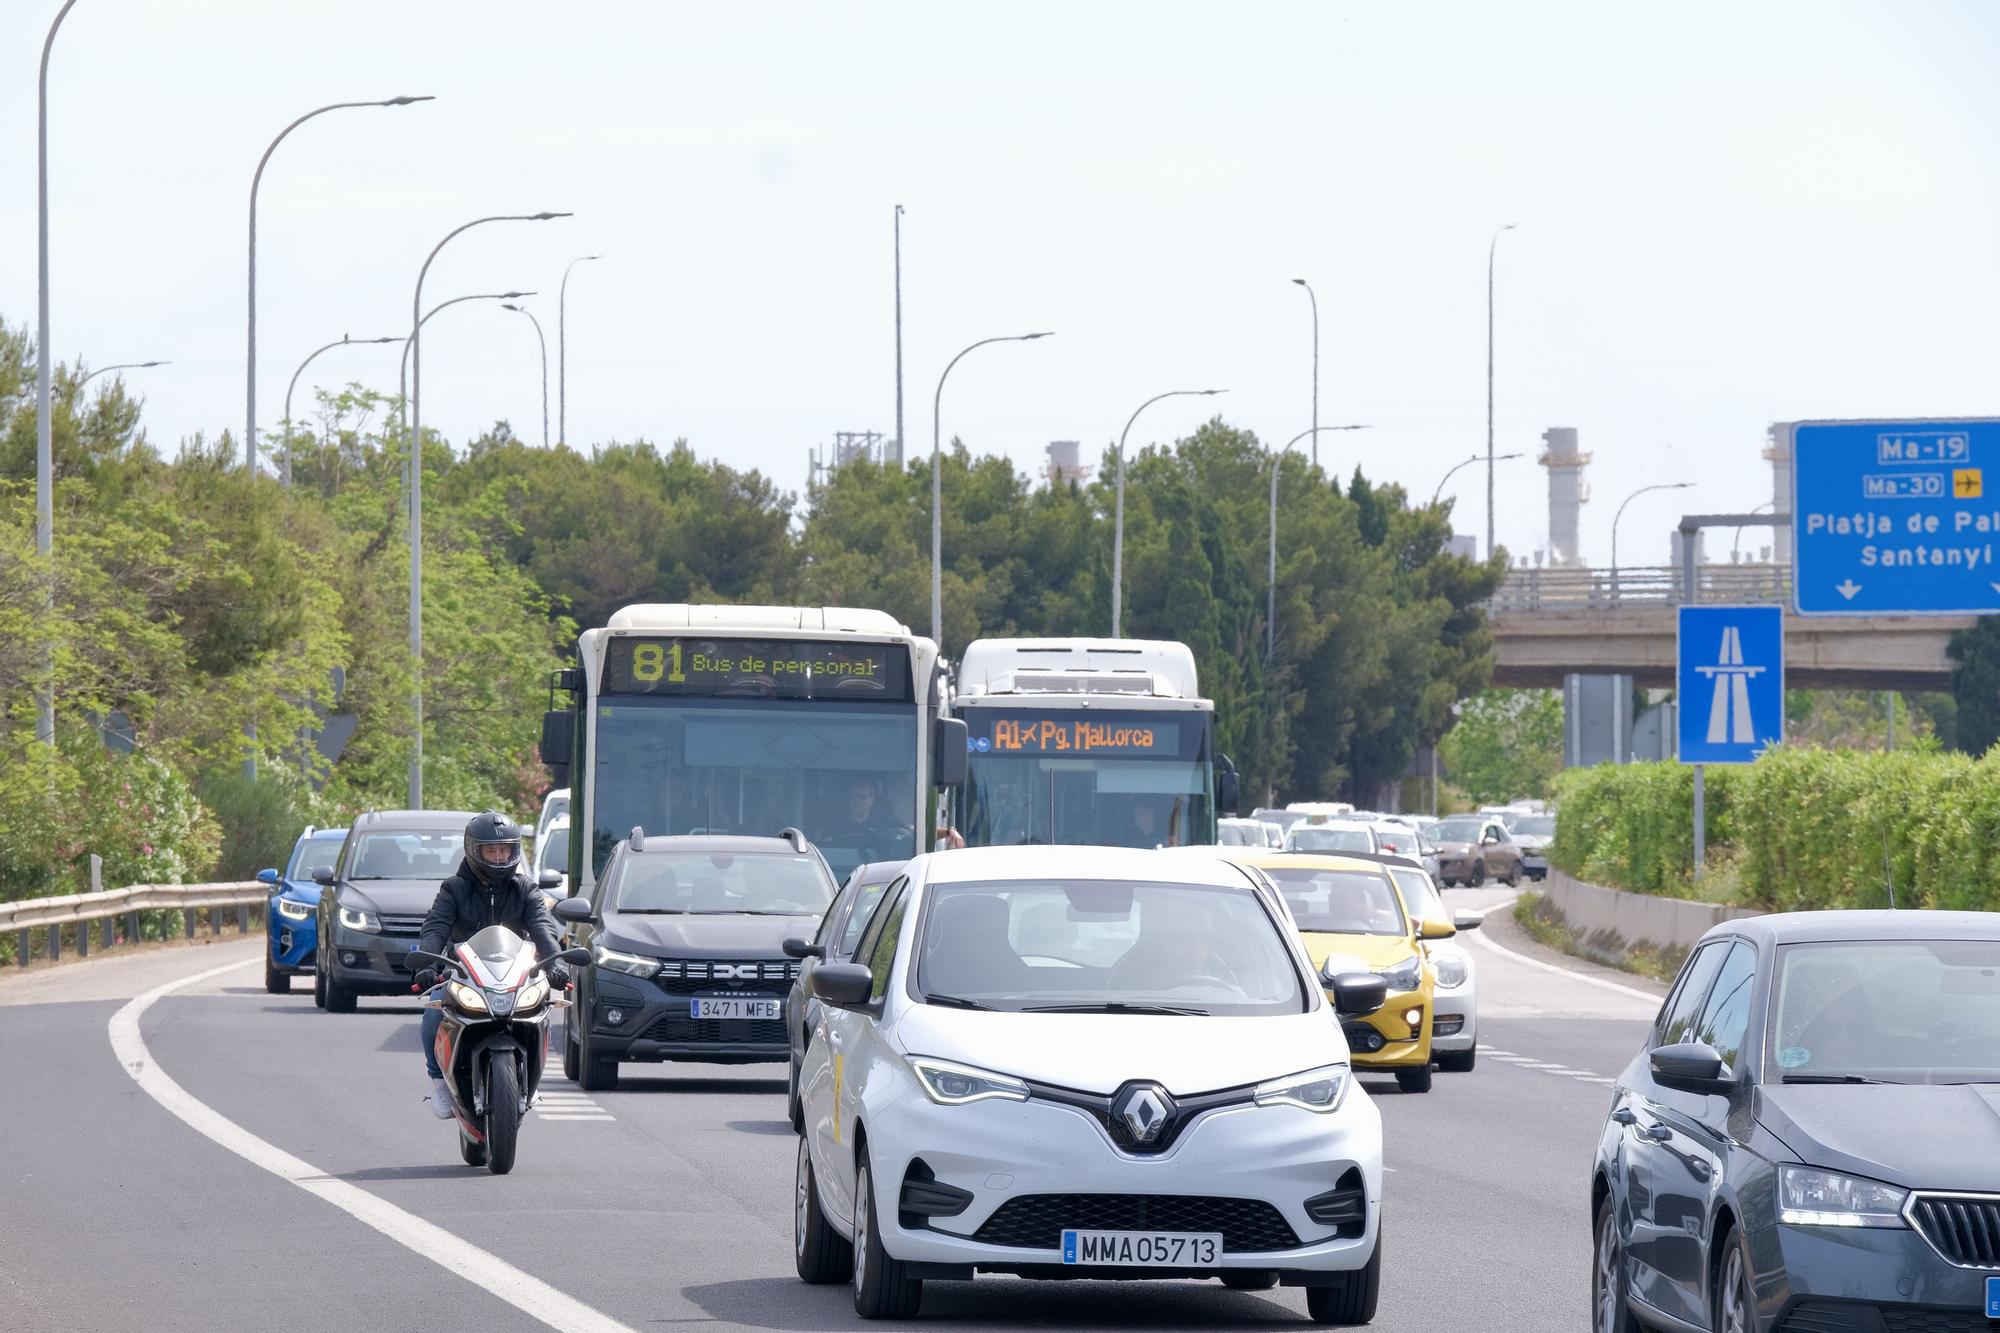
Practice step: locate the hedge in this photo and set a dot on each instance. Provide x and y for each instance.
(1798, 829)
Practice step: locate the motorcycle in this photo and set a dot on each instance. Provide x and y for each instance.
(494, 1040)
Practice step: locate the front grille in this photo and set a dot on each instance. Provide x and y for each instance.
(681, 1028)
(1828, 1318)
(411, 926)
(729, 972)
(1964, 1228)
(1935, 1321)
(1037, 1221)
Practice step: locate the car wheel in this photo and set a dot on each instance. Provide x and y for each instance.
(1414, 1080)
(276, 980)
(883, 1288)
(595, 1073)
(571, 1065)
(1513, 880)
(339, 999)
(1477, 875)
(821, 1254)
(1609, 1310)
(1353, 1301)
(1249, 1279)
(319, 979)
(1458, 1062)
(1735, 1299)
(795, 1109)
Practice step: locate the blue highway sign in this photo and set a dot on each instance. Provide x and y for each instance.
(1731, 680)
(1892, 518)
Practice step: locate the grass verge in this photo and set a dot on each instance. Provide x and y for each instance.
(1545, 924)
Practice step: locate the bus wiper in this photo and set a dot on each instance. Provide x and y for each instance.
(1118, 1007)
(1833, 1078)
(956, 1002)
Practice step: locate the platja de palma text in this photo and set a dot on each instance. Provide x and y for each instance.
(1893, 544)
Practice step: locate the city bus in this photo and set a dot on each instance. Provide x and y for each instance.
(749, 720)
(1097, 741)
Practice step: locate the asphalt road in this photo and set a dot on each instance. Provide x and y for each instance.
(666, 1204)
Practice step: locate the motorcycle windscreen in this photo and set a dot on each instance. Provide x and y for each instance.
(498, 958)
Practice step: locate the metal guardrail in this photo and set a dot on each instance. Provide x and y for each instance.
(80, 909)
(1640, 586)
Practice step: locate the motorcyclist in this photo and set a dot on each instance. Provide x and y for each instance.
(487, 889)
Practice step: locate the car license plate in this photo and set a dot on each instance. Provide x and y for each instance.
(735, 1006)
(1143, 1249)
(1993, 1298)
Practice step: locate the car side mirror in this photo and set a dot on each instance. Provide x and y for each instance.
(1689, 1066)
(575, 910)
(267, 877)
(322, 874)
(1436, 928)
(1356, 994)
(842, 985)
(1468, 920)
(549, 879)
(575, 957)
(949, 751)
(799, 947)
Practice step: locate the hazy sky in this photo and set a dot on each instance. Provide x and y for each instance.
(1727, 214)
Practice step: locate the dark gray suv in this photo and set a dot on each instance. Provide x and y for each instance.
(686, 937)
(374, 898)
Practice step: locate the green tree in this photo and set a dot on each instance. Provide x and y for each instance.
(1507, 745)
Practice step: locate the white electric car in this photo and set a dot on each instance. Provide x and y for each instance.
(1455, 1007)
(1085, 1062)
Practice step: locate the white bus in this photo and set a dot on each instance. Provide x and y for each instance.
(749, 720)
(1094, 741)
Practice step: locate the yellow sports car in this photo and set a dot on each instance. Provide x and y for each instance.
(1351, 919)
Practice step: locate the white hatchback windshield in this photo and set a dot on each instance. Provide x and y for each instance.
(1893, 1011)
(1340, 902)
(1105, 946)
(723, 884)
(1330, 838)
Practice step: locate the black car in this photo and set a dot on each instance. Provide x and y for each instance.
(1810, 1142)
(686, 937)
(839, 930)
(374, 898)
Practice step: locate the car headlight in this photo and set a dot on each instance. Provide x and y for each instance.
(950, 1084)
(1451, 970)
(629, 963)
(1810, 1197)
(294, 911)
(465, 997)
(1404, 976)
(355, 919)
(532, 995)
(1320, 1089)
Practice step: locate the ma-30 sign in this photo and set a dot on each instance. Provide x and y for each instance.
(1896, 517)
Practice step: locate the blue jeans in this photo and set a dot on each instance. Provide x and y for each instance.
(433, 1019)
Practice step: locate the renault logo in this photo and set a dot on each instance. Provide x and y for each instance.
(1144, 1110)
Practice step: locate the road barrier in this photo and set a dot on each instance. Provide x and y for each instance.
(1611, 924)
(79, 910)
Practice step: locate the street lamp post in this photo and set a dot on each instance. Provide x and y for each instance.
(562, 353)
(1271, 591)
(1658, 486)
(125, 365)
(901, 448)
(1439, 492)
(1314, 298)
(417, 495)
(1118, 526)
(523, 310)
(1490, 459)
(937, 478)
(345, 341)
(45, 484)
(250, 366)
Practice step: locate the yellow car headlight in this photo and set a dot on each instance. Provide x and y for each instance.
(465, 997)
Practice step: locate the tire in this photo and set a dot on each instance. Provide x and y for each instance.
(1610, 1310)
(1353, 1302)
(1735, 1294)
(795, 1108)
(1414, 1080)
(1477, 875)
(339, 999)
(823, 1255)
(595, 1073)
(474, 1154)
(1513, 881)
(882, 1287)
(276, 982)
(571, 1065)
(1249, 1279)
(1458, 1062)
(319, 982)
(503, 1116)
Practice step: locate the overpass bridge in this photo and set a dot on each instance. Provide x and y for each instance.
(1552, 623)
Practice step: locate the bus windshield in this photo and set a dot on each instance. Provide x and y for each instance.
(1100, 778)
(844, 773)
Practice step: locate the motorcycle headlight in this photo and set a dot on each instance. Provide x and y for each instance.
(950, 1084)
(532, 995)
(294, 911)
(1407, 975)
(629, 963)
(355, 919)
(1809, 1197)
(1320, 1089)
(465, 997)
(1451, 971)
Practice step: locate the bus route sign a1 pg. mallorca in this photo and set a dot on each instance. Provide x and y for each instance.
(1896, 517)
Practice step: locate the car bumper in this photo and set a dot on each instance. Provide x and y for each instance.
(1003, 1153)
(1404, 1044)
(1454, 867)
(292, 943)
(1460, 1007)
(1535, 864)
(654, 1025)
(367, 963)
(1849, 1278)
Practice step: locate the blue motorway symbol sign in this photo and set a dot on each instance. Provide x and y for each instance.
(1892, 517)
(1731, 682)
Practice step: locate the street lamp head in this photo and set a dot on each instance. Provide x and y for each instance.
(514, 296)
(584, 257)
(1209, 393)
(1507, 226)
(406, 101)
(1030, 337)
(509, 305)
(544, 217)
(148, 365)
(1501, 458)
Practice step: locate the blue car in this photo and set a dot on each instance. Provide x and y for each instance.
(290, 916)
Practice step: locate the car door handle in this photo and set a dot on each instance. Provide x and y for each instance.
(1624, 1115)
(1657, 1133)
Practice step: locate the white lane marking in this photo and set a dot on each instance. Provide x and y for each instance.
(1540, 966)
(565, 1115)
(530, 1295)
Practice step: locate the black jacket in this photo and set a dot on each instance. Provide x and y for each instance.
(464, 907)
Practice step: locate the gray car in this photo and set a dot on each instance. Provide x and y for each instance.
(373, 900)
(1810, 1141)
(834, 942)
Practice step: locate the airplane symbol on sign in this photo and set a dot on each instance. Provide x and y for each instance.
(1729, 713)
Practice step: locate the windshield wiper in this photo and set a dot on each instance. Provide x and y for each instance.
(956, 1002)
(1834, 1078)
(739, 911)
(1118, 1007)
(650, 911)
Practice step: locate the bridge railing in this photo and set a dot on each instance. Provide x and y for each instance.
(80, 910)
(1526, 590)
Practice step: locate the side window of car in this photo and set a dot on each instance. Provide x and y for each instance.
(1685, 1003)
(1726, 1016)
(872, 932)
(883, 956)
(830, 923)
(864, 905)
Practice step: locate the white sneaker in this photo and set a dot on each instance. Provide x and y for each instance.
(441, 1099)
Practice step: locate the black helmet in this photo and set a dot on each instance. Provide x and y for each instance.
(493, 847)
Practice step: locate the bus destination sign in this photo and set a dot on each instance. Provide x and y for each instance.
(757, 668)
(1071, 734)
